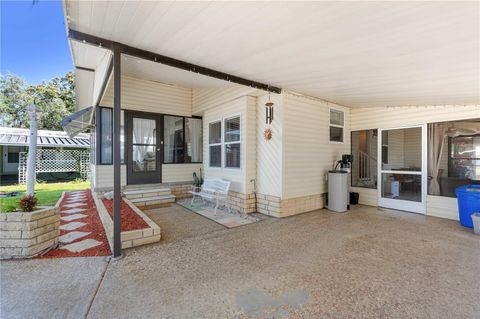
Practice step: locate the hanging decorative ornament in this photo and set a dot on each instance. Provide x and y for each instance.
(267, 134)
(269, 110)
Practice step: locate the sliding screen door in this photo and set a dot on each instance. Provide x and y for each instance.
(402, 169)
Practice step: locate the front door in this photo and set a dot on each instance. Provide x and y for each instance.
(144, 148)
(402, 168)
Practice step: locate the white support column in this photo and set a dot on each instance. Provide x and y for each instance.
(32, 150)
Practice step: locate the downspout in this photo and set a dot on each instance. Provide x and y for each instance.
(254, 192)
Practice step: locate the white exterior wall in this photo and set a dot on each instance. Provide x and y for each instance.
(308, 154)
(371, 118)
(240, 178)
(172, 173)
(204, 99)
(388, 117)
(269, 160)
(102, 177)
(149, 96)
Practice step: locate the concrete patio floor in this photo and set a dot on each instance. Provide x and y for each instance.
(362, 264)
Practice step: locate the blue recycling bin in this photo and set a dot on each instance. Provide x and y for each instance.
(468, 198)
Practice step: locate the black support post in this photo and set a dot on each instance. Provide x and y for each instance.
(117, 244)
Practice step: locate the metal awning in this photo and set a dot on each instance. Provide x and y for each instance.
(78, 122)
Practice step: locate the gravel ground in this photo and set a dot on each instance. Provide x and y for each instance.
(366, 263)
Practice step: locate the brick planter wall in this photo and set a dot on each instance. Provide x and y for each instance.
(25, 235)
(132, 238)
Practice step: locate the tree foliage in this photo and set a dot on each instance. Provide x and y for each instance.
(56, 99)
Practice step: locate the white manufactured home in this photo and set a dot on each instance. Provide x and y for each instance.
(191, 81)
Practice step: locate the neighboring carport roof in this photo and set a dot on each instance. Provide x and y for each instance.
(20, 137)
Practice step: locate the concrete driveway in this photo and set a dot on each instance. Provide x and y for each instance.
(363, 264)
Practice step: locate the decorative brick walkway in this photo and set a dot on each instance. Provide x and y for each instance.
(81, 230)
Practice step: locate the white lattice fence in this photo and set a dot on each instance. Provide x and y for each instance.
(56, 161)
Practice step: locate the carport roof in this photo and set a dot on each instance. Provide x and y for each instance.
(358, 54)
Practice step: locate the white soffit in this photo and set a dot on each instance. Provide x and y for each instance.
(359, 54)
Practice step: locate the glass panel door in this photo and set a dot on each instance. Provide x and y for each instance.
(402, 170)
(144, 149)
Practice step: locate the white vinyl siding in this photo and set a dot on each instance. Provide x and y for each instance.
(150, 96)
(269, 154)
(307, 151)
(207, 98)
(387, 117)
(174, 173)
(103, 178)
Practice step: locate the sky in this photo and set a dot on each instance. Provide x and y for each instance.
(33, 40)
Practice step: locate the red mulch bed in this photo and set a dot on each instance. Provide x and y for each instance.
(93, 225)
(130, 219)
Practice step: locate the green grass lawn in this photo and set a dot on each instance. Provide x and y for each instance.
(47, 194)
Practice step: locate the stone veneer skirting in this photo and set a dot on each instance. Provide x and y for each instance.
(26, 235)
(181, 190)
(277, 207)
(244, 203)
(131, 238)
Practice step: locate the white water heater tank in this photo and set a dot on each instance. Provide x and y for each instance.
(338, 191)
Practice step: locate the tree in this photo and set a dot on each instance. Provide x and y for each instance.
(14, 100)
(56, 99)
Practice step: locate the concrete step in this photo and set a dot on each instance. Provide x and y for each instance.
(153, 201)
(144, 186)
(139, 193)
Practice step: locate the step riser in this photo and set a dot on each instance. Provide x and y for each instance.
(149, 194)
(155, 203)
(144, 187)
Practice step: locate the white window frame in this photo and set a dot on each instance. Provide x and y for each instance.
(335, 125)
(215, 144)
(224, 144)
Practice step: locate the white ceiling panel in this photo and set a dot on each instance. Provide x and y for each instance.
(162, 73)
(359, 54)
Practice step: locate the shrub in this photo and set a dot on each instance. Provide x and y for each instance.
(9, 208)
(28, 203)
(78, 180)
